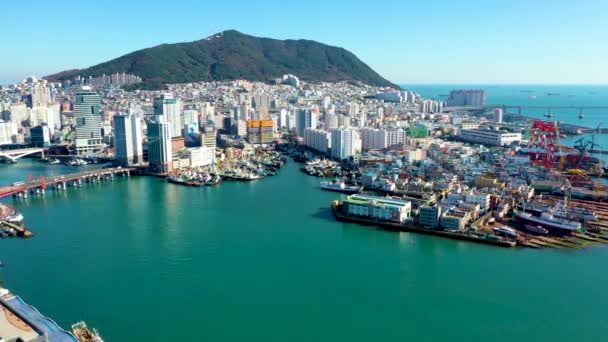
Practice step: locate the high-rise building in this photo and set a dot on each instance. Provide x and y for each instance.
(41, 94)
(208, 136)
(306, 118)
(87, 112)
(171, 108)
(467, 97)
(159, 145)
(376, 139)
(498, 115)
(40, 135)
(345, 143)
(8, 132)
(260, 131)
(318, 140)
(128, 139)
(330, 121)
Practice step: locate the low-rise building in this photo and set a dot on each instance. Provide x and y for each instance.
(429, 216)
(489, 137)
(379, 208)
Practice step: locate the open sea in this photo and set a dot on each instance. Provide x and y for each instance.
(538, 95)
(144, 260)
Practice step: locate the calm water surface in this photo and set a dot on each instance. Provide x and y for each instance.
(143, 260)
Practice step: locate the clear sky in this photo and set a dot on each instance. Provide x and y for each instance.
(432, 41)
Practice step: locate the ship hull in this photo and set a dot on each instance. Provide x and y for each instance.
(554, 228)
(340, 190)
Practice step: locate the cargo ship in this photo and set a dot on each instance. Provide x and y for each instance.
(549, 221)
(341, 187)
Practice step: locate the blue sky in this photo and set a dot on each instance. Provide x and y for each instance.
(466, 41)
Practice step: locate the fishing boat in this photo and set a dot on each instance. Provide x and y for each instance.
(16, 218)
(215, 180)
(84, 334)
(182, 181)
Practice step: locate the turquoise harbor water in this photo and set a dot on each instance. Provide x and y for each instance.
(144, 260)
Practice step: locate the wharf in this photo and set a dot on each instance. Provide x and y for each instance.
(20, 321)
(412, 229)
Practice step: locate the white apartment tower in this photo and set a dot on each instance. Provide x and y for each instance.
(128, 139)
(171, 108)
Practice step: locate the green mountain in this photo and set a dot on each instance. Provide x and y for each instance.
(233, 55)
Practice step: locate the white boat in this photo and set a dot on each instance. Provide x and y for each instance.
(341, 187)
(505, 231)
(548, 221)
(16, 218)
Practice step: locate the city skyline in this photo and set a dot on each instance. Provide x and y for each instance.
(438, 42)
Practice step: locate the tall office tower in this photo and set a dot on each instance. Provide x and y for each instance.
(209, 136)
(468, 97)
(343, 120)
(345, 143)
(261, 101)
(171, 108)
(330, 121)
(18, 113)
(8, 132)
(352, 109)
(87, 112)
(41, 94)
(208, 113)
(159, 145)
(306, 118)
(498, 115)
(282, 118)
(128, 139)
(326, 102)
(191, 123)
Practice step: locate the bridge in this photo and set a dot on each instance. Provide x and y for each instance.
(520, 108)
(13, 155)
(39, 185)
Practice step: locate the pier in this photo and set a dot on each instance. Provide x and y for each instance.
(39, 185)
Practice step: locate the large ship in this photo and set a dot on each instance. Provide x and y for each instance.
(341, 187)
(549, 221)
(560, 210)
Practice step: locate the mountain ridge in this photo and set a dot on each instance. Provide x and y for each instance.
(232, 55)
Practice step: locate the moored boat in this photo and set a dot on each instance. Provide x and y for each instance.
(548, 221)
(341, 187)
(536, 229)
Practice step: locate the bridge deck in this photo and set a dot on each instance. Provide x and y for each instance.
(8, 190)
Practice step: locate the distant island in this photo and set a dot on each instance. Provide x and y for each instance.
(232, 55)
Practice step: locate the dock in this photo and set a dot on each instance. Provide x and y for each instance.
(394, 226)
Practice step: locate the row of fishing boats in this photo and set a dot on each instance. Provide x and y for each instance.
(195, 179)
